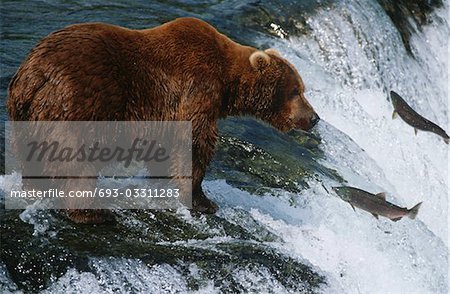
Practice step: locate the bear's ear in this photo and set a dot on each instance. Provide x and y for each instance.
(259, 60)
(273, 52)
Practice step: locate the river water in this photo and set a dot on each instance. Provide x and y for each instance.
(280, 228)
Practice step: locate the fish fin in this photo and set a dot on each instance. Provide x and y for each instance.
(396, 219)
(416, 131)
(381, 195)
(352, 207)
(394, 114)
(412, 213)
(375, 215)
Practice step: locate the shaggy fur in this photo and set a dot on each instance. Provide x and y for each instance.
(182, 70)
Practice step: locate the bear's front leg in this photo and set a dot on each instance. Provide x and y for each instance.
(201, 203)
(203, 148)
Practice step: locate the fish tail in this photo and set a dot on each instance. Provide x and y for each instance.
(446, 139)
(412, 213)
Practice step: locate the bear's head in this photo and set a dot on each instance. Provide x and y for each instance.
(273, 91)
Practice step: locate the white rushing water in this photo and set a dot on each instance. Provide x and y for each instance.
(351, 60)
(352, 97)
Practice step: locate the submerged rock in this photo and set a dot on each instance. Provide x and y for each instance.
(253, 156)
(217, 248)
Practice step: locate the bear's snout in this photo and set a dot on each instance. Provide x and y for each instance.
(307, 123)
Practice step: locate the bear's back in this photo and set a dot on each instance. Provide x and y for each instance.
(67, 75)
(103, 72)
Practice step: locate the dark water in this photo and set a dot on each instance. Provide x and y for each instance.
(234, 251)
(23, 23)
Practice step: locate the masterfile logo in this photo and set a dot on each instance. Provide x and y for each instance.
(70, 157)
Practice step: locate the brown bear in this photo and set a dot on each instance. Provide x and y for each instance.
(184, 70)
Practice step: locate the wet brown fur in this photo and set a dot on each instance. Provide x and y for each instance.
(181, 70)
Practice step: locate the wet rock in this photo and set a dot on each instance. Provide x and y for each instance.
(255, 157)
(34, 259)
(402, 12)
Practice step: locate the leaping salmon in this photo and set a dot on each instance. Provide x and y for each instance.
(411, 117)
(375, 204)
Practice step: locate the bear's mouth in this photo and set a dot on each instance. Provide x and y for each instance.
(303, 125)
(307, 124)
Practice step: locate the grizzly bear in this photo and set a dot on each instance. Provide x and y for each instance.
(183, 70)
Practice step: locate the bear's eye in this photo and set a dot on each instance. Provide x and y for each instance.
(294, 92)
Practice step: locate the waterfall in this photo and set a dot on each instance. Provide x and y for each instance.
(351, 60)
